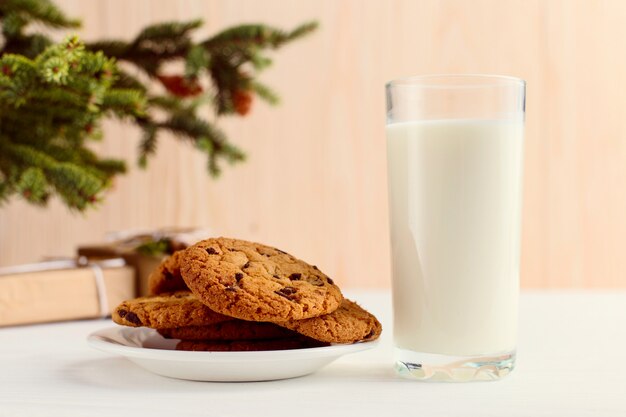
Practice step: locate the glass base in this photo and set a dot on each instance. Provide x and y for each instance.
(435, 367)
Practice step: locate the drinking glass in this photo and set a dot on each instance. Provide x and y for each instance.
(455, 153)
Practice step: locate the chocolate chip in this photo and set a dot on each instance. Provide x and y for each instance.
(287, 292)
(295, 276)
(122, 313)
(276, 276)
(211, 251)
(230, 288)
(132, 318)
(246, 265)
(317, 282)
(314, 267)
(238, 276)
(288, 297)
(330, 281)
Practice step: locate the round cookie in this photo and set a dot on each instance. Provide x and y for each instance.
(348, 324)
(254, 282)
(248, 345)
(166, 277)
(166, 310)
(229, 330)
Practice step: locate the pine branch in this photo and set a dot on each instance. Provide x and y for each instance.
(265, 92)
(124, 80)
(262, 36)
(148, 144)
(111, 48)
(197, 60)
(49, 107)
(124, 102)
(166, 32)
(27, 45)
(5, 191)
(152, 46)
(206, 137)
(77, 185)
(33, 186)
(23, 12)
(53, 97)
(110, 167)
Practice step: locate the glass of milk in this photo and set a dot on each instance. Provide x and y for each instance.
(454, 151)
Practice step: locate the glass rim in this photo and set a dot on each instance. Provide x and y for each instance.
(422, 81)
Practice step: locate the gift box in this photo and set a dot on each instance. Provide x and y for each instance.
(141, 264)
(143, 250)
(63, 290)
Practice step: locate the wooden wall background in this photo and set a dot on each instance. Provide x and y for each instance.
(315, 180)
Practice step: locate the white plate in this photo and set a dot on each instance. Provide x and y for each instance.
(151, 351)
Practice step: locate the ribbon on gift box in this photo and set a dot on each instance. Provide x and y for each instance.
(70, 263)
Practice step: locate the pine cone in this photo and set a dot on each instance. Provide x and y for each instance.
(180, 86)
(242, 100)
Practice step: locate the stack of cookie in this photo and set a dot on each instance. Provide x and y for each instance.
(232, 295)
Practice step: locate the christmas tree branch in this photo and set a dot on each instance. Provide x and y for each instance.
(16, 14)
(53, 97)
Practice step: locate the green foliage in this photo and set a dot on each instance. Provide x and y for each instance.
(158, 247)
(16, 14)
(236, 52)
(53, 97)
(48, 108)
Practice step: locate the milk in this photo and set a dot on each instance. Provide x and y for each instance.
(455, 202)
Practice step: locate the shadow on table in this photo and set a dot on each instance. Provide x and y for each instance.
(120, 374)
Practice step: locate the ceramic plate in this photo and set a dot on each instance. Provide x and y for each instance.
(151, 351)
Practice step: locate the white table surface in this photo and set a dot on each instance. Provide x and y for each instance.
(571, 362)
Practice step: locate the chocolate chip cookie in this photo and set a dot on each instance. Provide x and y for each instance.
(348, 324)
(166, 277)
(229, 330)
(248, 345)
(165, 311)
(254, 282)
